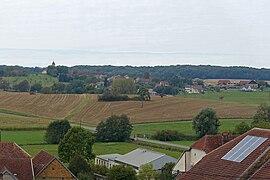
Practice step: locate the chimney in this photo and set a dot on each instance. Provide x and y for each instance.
(225, 137)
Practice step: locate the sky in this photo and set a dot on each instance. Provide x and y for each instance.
(135, 32)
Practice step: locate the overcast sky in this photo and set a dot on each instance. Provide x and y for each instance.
(135, 32)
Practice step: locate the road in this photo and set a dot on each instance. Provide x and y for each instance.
(139, 139)
(162, 143)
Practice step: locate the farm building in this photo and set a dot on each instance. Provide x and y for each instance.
(136, 159)
(16, 164)
(199, 149)
(194, 89)
(245, 157)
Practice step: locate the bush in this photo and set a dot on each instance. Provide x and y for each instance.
(241, 128)
(102, 170)
(56, 131)
(121, 172)
(171, 135)
(112, 97)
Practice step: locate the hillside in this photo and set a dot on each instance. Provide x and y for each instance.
(87, 109)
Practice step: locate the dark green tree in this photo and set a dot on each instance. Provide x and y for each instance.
(206, 122)
(121, 172)
(23, 86)
(56, 131)
(76, 141)
(144, 94)
(59, 88)
(4, 84)
(36, 87)
(79, 165)
(166, 172)
(114, 129)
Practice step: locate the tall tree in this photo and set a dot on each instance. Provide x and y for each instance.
(23, 86)
(76, 141)
(206, 122)
(56, 131)
(144, 94)
(123, 86)
(114, 129)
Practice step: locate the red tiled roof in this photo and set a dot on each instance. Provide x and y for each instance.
(41, 161)
(224, 81)
(210, 142)
(243, 82)
(263, 172)
(20, 167)
(12, 150)
(213, 167)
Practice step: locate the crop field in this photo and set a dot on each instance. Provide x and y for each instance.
(45, 80)
(87, 109)
(257, 97)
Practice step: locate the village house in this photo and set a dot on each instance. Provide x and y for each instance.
(194, 89)
(199, 149)
(16, 164)
(246, 84)
(245, 157)
(224, 82)
(135, 159)
(143, 80)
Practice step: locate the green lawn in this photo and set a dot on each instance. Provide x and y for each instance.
(184, 127)
(45, 80)
(257, 97)
(23, 137)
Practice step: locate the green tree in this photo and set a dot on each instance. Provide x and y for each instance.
(23, 86)
(56, 131)
(47, 90)
(59, 88)
(261, 124)
(262, 114)
(166, 172)
(79, 165)
(147, 172)
(4, 84)
(36, 87)
(206, 122)
(76, 141)
(123, 86)
(121, 172)
(114, 129)
(144, 94)
(241, 128)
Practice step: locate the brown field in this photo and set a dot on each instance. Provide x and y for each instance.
(87, 109)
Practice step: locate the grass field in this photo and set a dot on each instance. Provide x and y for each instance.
(87, 109)
(45, 80)
(184, 127)
(257, 97)
(23, 137)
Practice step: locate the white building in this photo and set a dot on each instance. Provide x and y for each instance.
(135, 159)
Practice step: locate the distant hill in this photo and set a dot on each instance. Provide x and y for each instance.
(191, 71)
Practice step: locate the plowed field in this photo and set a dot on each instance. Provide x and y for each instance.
(87, 109)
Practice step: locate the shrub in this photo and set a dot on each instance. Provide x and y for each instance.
(241, 128)
(112, 97)
(121, 172)
(170, 135)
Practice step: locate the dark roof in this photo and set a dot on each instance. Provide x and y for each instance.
(41, 161)
(20, 167)
(213, 167)
(210, 142)
(12, 150)
(244, 82)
